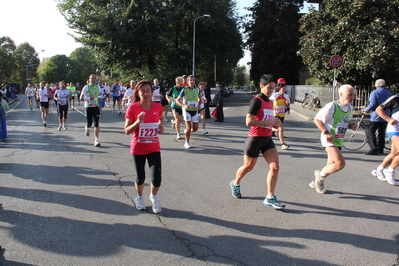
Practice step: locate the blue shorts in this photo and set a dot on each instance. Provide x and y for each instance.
(391, 134)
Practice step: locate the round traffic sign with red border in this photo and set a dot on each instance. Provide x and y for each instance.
(336, 61)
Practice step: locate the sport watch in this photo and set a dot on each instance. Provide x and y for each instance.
(326, 132)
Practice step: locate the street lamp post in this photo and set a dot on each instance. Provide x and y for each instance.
(195, 20)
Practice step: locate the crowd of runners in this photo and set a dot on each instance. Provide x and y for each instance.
(147, 104)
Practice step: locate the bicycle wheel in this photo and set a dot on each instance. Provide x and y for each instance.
(355, 139)
(305, 102)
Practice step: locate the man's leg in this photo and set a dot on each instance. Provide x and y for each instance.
(187, 131)
(335, 161)
(372, 140)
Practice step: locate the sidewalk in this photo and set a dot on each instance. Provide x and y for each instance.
(304, 113)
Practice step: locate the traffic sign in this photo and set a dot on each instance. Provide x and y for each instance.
(336, 61)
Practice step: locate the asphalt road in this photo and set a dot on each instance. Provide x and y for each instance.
(65, 202)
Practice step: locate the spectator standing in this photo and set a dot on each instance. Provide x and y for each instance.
(4, 108)
(377, 124)
(218, 99)
(207, 91)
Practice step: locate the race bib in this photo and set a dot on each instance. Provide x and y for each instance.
(340, 130)
(267, 116)
(192, 104)
(62, 102)
(148, 132)
(280, 109)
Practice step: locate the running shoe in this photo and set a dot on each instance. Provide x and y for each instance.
(178, 136)
(156, 206)
(390, 177)
(318, 183)
(284, 146)
(235, 190)
(44, 124)
(87, 132)
(204, 131)
(274, 202)
(379, 175)
(59, 128)
(97, 144)
(119, 112)
(173, 124)
(187, 145)
(139, 203)
(165, 120)
(64, 128)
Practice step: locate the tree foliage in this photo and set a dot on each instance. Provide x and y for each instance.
(26, 62)
(7, 66)
(273, 39)
(155, 37)
(57, 68)
(364, 32)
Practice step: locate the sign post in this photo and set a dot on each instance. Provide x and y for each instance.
(335, 62)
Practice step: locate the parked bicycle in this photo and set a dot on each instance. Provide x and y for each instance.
(313, 103)
(355, 139)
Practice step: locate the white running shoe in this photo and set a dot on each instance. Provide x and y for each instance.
(204, 131)
(64, 128)
(178, 136)
(390, 177)
(156, 206)
(87, 132)
(97, 144)
(59, 128)
(187, 145)
(379, 175)
(139, 203)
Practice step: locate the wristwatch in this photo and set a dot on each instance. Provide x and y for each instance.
(326, 132)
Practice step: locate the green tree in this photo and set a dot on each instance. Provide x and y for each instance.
(155, 37)
(240, 76)
(57, 68)
(26, 61)
(273, 39)
(364, 32)
(85, 65)
(7, 66)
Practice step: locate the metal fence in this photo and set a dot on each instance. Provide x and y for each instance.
(328, 94)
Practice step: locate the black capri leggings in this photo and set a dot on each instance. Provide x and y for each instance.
(154, 162)
(92, 113)
(63, 111)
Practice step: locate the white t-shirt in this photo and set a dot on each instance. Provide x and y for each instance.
(42, 93)
(325, 115)
(30, 91)
(129, 94)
